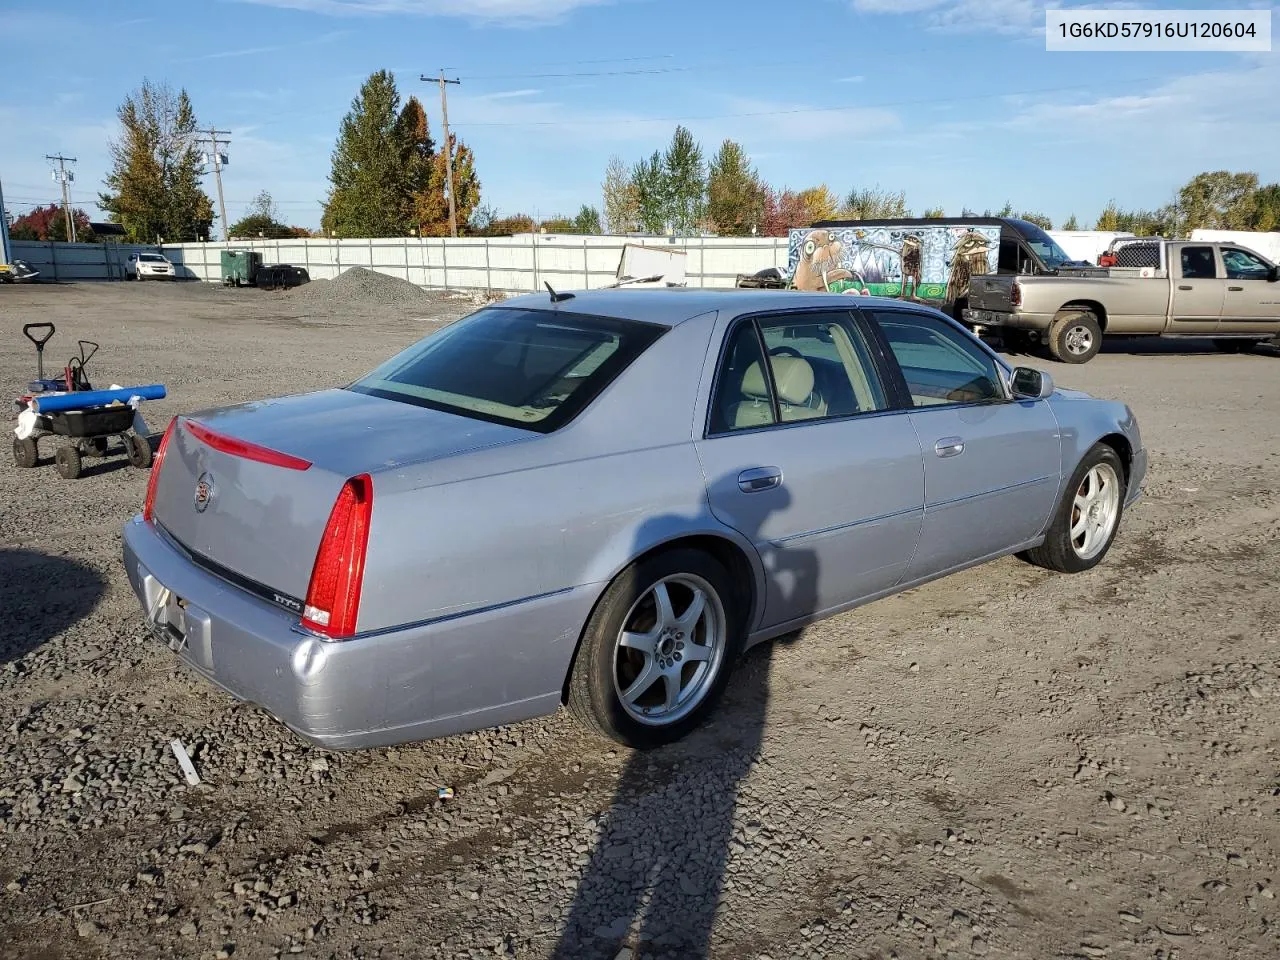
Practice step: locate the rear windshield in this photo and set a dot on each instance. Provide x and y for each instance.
(535, 369)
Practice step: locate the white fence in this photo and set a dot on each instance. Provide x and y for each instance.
(509, 264)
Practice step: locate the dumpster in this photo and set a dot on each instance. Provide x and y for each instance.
(240, 267)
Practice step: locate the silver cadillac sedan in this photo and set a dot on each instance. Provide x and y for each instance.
(601, 500)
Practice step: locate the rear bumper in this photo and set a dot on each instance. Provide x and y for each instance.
(1017, 321)
(449, 676)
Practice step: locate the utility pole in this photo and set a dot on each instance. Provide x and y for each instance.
(65, 176)
(448, 148)
(211, 137)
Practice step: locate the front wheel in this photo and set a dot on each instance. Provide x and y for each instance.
(658, 649)
(139, 450)
(1088, 516)
(1075, 336)
(68, 462)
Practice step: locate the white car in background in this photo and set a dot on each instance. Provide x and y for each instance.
(149, 266)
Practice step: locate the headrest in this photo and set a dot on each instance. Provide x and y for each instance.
(793, 376)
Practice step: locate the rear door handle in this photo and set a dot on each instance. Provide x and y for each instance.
(949, 447)
(759, 478)
(1236, 289)
(1184, 286)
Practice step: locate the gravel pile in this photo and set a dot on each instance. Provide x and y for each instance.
(356, 287)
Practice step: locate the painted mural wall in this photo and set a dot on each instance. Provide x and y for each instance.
(932, 263)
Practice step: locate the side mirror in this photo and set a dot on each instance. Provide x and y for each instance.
(1029, 384)
(1274, 275)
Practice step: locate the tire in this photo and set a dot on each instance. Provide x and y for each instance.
(606, 668)
(1237, 345)
(139, 450)
(99, 446)
(25, 452)
(1060, 551)
(1075, 336)
(68, 462)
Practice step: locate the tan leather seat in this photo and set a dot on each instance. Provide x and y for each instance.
(794, 378)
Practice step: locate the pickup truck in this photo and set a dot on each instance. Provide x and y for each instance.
(1158, 288)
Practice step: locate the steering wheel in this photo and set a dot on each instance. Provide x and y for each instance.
(785, 352)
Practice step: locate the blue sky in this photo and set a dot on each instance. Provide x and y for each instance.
(954, 101)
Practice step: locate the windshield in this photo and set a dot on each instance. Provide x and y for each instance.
(1043, 245)
(151, 258)
(527, 368)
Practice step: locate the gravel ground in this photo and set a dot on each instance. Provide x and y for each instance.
(1005, 763)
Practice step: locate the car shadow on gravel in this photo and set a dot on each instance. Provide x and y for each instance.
(42, 595)
(655, 877)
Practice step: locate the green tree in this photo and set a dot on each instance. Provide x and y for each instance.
(1072, 223)
(686, 182)
(368, 193)
(1219, 200)
(153, 189)
(417, 164)
(621, 205)
(261, 219)
(587, 221)
(1266, 216)
(650, 185)
(1039, 219)
(875, 204)
(934, 213)
(735, 195)
(1006, 210)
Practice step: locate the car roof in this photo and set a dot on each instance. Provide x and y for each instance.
(671, 306)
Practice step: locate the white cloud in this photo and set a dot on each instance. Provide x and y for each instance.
(514, 12)
(509, 94)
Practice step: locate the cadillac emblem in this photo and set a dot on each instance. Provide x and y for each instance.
(204, 492)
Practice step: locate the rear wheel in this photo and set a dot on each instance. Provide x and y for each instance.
(1088, 516)
(25, 452)
(1075, 336)
(658, 649)
(68, 462)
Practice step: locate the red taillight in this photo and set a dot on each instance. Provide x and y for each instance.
(333, 596)
(245, 449)
(148, 506)
(1015, 294)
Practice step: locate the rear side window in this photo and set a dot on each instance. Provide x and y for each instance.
(940, 364)
(1198, 263)
(814, 366)
(535, 369)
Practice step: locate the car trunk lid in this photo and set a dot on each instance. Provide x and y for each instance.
(247, 490)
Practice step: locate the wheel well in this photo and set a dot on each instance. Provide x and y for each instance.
(725, 551)
(1123, 449)
(1093, 306)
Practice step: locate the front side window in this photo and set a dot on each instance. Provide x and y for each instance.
(815, 366)
(1244, 266)
(1198, 263)
(527, 368)
(939, 363)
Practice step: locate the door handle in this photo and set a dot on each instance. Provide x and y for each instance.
(1236, 289)
(759, 478)
(949, 447)
(1185, 286)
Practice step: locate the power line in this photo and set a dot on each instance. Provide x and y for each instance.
(64, 177)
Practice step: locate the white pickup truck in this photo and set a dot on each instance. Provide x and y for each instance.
(1157, 288)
